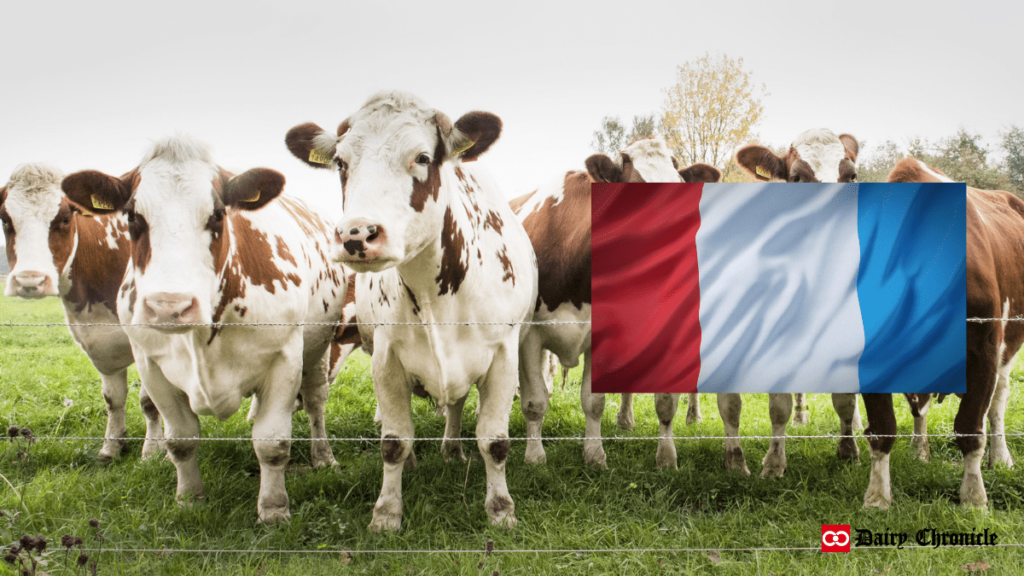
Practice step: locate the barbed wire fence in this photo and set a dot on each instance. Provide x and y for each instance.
(490, 547)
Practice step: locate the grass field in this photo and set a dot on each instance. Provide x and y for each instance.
(560, 505)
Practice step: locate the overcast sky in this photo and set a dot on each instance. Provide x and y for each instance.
(89, 85)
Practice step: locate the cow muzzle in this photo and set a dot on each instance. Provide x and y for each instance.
(32, 284)
(169, 308)
(361, 244)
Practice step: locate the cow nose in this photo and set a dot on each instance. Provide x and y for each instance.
(168, 308)
(359, 237)
(33, 284)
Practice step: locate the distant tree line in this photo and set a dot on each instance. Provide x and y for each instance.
(714, 107)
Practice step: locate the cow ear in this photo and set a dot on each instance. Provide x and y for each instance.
(100, 193)
(312, 144)
(603, 169)
(762, 163)
(473, 135)
(852, 148)
(253, 189)
(675, 164)
(700, 172)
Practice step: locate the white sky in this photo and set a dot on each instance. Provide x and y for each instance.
(89, 85)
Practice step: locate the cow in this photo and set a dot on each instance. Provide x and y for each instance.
(816, 155)
(213, 255)
(54, 249)
(557, 219)
(995, 289)
(446, 275)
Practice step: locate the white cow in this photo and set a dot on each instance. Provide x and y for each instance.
(56, 250)
(433, 242)
(816, 155)
(213, 254)
(557, 219)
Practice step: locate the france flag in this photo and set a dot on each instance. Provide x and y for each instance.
(779, 288)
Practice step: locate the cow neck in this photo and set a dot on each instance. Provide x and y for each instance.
(94, 270)
(419, 274)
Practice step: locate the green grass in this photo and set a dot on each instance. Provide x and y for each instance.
(563, 504)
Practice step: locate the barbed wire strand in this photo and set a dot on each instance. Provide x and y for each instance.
(523, 438)
(521, 550)
(338, 324)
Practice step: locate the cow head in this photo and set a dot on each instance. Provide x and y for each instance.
(176, 202)
(815, 156)
(390, 156)
(647, 160)
(39, 229)
(913, 170)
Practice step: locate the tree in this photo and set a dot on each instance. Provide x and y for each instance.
(711, 109)
(963, 158)
(875, 165)
(1013, 146)
(612, 137)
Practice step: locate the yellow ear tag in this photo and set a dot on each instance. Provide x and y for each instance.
(762, 173)
(316, 156)
(84, 211)
(253, 198)
(100, 204)
(469, 144)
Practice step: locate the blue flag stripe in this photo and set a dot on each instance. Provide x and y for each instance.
(912, 286)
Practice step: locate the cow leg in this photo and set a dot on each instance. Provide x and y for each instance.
(802, 415)
(846, 407)
(394, 396)
(115, 394)
(693, 409)
(154, 425)
(625, 418)
(496, 395)
(452, 449)
(857, 423)
(780, 408)
(999, 453)
(551, 366)
(182, 429)
(984, 354)
(533, 398)
(593, 409)
(881, 421)
(729, 408)
(272, 424)
(666, 406)
(314, 392)
(920, 440)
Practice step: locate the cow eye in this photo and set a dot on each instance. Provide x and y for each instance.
(130, 214)
(8, 227)
(796, 178)
(67, 220)
(218, 214)
(341, 164)
(853, 178)
(423, 159)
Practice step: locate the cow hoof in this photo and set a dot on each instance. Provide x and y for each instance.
(410, 462)
(274, 515)
(877, 500)
(383, 522)
(109, 451)
(190, 500)
(665, 457)
(774, 466)
(801, 417)
(326, 463)
(535, 453)
(626, 421)
(736, 462)
(972, 492)
(693, 417)
(595, 457)
(1003, 458)
(151, 448)
(848, 450)
(452, 451)
(924, 452)
(501, 511)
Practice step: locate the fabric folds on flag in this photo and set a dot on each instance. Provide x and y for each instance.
(779, 288)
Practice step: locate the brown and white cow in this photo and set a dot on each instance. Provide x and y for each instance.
(817, 155)
(212, 256)
(995, 289)
(438, 252)
(56, 250)
(557, 219)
